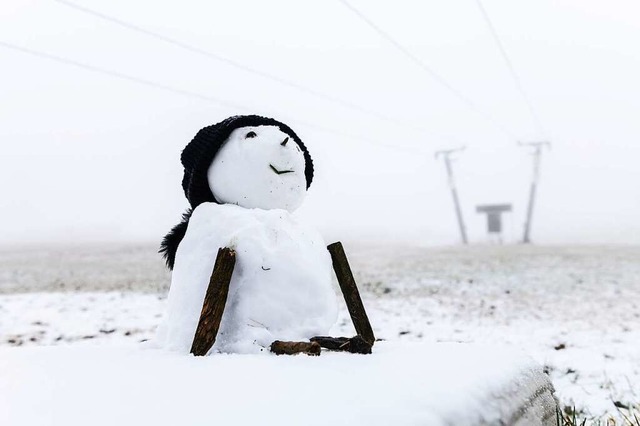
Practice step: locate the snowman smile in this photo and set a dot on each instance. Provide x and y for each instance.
(280, 172)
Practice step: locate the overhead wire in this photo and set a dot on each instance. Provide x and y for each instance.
(117, 74)
(433, 74)
(187, 93)
(249, 69)
(512, 70)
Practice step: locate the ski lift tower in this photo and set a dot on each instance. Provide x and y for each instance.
(452, 186)
(537, 154)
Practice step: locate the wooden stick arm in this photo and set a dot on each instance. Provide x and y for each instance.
(214, 302)
(350, 292)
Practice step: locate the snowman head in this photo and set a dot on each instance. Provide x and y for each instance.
(259, 167)
(250, 161)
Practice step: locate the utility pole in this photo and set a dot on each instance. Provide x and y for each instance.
(537, 156)
(452, 185)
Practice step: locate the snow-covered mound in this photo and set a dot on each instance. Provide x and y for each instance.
(399, 384)
(281, 286)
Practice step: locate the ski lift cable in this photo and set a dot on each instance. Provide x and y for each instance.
(512, 70)
(187, 93)
(249, 69)
(434, 75)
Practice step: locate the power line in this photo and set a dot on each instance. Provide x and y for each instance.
(127, 77)
(187, 93)
(117, 74)
(211, 55)
(512, 69)
(437, 77)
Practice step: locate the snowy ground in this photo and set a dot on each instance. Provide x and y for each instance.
(574, 309)
(395, 386)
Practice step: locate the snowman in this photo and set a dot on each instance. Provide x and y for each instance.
(244, 177)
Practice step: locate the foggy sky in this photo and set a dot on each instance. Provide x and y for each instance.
(90, 157)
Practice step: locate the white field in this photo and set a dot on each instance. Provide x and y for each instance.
(576, 310)
(394, 386)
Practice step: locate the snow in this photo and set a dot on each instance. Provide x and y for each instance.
(535, 298)
(79, 318)
(400, 384)
(243, 171)
(281, 286)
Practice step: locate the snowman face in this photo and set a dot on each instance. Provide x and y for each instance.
(259, 167)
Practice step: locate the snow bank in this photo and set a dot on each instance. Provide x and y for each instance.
(400, 384)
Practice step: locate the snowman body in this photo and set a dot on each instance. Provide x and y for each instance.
(281, 287)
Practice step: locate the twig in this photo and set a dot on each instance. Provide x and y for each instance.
(214, 302)
(355, 345)
(292, 348)
(351, 293)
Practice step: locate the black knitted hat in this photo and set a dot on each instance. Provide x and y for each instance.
(200, 152)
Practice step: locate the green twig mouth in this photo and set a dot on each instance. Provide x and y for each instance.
(280, 172)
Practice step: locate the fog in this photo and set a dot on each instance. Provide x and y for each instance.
(92, 156)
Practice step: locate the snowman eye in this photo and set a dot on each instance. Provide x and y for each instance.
(250, 135)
